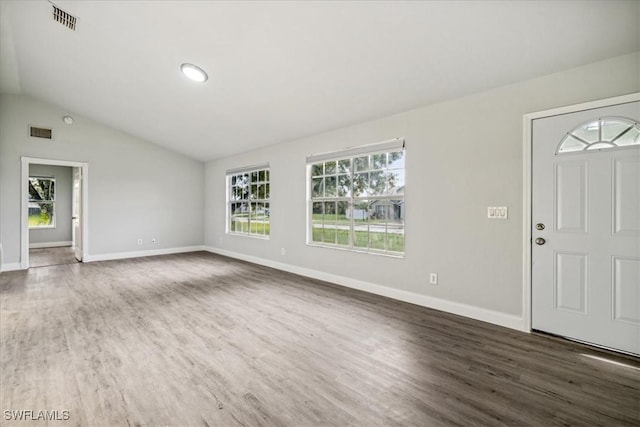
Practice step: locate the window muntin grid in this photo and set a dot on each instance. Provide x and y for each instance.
(42, 202)
(357, 202)
(603, 134)
(248, 203)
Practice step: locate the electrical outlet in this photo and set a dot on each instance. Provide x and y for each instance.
(139, 242)
(433, 278)
(153, 240)
(282, 251)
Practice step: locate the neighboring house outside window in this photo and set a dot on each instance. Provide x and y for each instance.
(42, 199)
(356, 198)
(248, 206)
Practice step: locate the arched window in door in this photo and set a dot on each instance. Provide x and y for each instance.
(602, 134)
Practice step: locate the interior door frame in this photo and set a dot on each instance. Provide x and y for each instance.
(527, 183)
(24, 204)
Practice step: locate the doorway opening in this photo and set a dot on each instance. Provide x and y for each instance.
(50, 213)
(54, 220)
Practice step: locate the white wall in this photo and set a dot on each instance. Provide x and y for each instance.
(63, 195)
(136, 189)
(462, 156)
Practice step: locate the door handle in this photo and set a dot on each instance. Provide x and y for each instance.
(540, 241)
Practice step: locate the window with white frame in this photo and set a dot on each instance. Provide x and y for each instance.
(248, 208)
(356, 198)
(42, 202)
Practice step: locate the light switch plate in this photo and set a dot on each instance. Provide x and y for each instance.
(497, 212)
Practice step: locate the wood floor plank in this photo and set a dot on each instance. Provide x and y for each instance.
(203, 340)
(43, 257)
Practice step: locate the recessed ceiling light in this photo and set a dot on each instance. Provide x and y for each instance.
(194, 72)
(68, 120)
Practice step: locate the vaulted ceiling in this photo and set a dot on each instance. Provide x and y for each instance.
(282, 70)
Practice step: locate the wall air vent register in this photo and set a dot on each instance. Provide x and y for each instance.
(37, 132)
(64, 18)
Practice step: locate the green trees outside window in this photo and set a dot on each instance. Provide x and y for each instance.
(42, 202)
(358, 202)
(248, 203)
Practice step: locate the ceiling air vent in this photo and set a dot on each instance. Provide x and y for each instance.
(65, 18)
(40, 132)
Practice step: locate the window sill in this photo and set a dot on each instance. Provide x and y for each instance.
(338, 248)
(253, 236)
(43, 227)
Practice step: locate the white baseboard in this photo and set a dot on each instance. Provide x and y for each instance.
(137, 254)
(10, 267)
(49, 245)
(478, 313)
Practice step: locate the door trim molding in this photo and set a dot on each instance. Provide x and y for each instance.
(24, 205)
(527, 182)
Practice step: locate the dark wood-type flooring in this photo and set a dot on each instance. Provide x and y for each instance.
(43, 257)
(202, 340)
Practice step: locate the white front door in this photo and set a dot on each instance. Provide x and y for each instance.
(76, 215)
(586, 226)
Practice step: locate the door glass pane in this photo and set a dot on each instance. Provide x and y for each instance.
(602, 134)
(589, 132)
(613, 128)
(569, 143)
(632, 137)
(600, 146)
